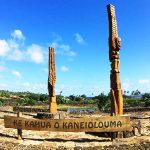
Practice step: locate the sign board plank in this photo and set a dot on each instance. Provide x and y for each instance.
(29, 109)
(99, 124)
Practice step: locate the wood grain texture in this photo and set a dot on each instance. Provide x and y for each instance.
(114, 57)
(101, 124)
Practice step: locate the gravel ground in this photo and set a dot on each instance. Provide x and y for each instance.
(45, 140)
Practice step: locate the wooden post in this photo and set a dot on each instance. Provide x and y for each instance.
(113, 136)
(119, 134)
(19, 131)
(115, 83)
(51, 81)
(114, 47)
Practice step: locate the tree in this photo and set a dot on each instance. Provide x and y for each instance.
(33, 96)
(78, 98)
(102, 101)
(60, 92)
(137, 92)
(32, 102)
(4, 93)
(132, 93)
(146, 99)
(61, 99)
(83, 96)
(146, 96)
(72, 97)
(43, 97)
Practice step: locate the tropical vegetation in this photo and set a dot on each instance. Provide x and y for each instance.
(101, 101)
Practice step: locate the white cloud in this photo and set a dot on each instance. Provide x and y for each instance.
(33, 87)
(4, 48)
(14, 49)
(16, 73)
(64, 68)
(26, 84)
(144, 81)
(63, 49)
(72, 53)
(78, 88)
(17, 34)
(79, 38)
(3, 85)
(13, 44)
(35, 52)
(16, 55)
(127, 85)
(66, 50)
(54, 44)
(2, 68)
(143, 85)
(10, 50)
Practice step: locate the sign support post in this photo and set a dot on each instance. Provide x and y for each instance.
(19, 131)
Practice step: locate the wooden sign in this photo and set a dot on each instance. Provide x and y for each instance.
(101, 124)
(29, 109)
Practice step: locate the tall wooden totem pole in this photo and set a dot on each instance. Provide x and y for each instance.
(114, 47)
(52, 81)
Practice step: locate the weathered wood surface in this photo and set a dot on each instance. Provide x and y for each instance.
(114, 47)
(101, 124)
(19, 131)
(28, 109)
(52, 81)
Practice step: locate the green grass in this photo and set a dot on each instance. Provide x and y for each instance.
(69, 106)
(75, 106)
(4, 98)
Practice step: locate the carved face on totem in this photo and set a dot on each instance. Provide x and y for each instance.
(118, 43)
(114, 55)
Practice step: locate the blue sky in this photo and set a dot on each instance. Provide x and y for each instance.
(78, 29)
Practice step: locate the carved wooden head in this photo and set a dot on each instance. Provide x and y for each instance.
(118, 43)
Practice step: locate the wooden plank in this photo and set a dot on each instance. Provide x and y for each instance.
(101, 124)
(29, 109)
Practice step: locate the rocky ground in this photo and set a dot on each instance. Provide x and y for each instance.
(45, 140)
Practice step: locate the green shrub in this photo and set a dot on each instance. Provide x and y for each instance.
(133, 102)
(147, 103)
(2, 100)
(72, 102)
(31, 102)
(33, 96)
(102, 101)
(20, 102)
(146, 96)
(1, 104)
(43, 97)
(87, 102)
(61, 99)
